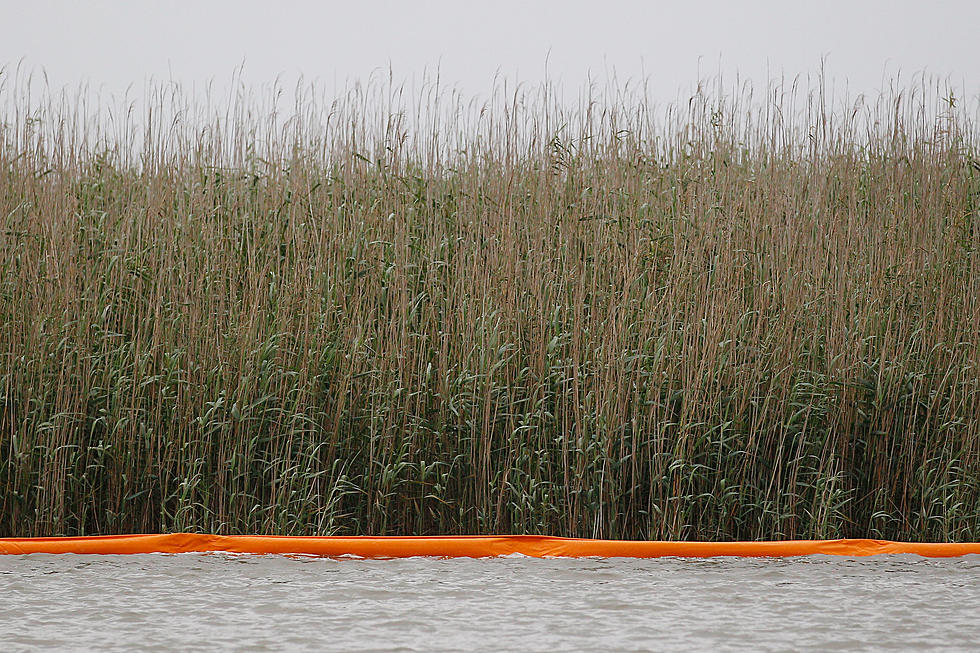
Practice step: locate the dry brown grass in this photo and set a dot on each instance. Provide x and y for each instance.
(409, 314)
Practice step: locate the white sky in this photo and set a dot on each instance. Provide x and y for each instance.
(112, 44)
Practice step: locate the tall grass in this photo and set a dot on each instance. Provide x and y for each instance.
(406, 312)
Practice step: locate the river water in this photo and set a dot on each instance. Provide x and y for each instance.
(217, 601)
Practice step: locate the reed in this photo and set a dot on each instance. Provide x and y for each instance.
(745, 316)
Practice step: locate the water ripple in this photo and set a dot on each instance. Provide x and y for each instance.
(207, 602)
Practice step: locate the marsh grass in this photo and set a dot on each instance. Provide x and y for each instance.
(405, 313)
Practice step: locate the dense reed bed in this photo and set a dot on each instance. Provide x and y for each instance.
(404, 312)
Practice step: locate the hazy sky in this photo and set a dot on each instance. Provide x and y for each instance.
(114, 43)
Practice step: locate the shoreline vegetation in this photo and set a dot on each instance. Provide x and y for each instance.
(743, 317)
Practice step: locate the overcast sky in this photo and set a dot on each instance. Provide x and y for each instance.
(112, 44)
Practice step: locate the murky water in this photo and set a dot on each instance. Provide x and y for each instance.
(207, 602)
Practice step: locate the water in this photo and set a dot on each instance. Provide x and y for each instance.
(207, 602)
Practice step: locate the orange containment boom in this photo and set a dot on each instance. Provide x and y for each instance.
(470, 546)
